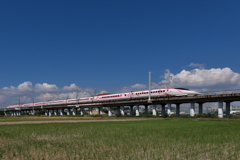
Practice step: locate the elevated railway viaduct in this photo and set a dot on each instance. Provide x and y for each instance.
(165, 103)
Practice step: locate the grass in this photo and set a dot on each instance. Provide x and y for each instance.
(178, 139)
(44, 118)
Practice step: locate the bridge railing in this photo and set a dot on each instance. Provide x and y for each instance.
(221, 92)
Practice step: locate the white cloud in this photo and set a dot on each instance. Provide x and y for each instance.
(200, 66)
(103, 91)
(72, 87)
(135, 87)
(138, 86)
(25, 87)
(42, 92)
(204, 79)
(46, 87)
(198, 79)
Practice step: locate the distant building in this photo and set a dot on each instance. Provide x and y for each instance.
(235, 108)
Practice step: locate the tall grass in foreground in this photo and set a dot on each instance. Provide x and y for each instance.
(152, 139)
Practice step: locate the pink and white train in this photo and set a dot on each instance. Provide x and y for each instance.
(168, 92)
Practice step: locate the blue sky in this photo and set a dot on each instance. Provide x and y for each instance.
(112, 45)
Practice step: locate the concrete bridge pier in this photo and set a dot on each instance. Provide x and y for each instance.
(228, 108)
(74, 111)
(118, 110)
(46, 112)
(220, 109)
(90, 111)
(122, 110)
(60, 112)
(178, 109)
(146, 109)
(154, 111)
(169, 108)
(49, 112)
(68, 111)
(100, 110)
(81, 111)
(109, 111)
(163, 108)
(137, 110)
(192, 109)
(55, 112)
(131, 110)
(200, 108)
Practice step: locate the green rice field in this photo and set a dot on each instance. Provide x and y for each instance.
(168, 139)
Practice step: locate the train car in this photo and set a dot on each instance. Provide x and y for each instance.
(111, 97)
(56, 102)
(80, 100)
(167, 92)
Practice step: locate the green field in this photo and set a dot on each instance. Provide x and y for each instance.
(150, 139)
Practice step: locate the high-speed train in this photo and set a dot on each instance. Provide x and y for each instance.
(167, 92)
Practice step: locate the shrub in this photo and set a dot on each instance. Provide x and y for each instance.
(232, 116)
(185, 116)
(118, 115)
(40, 113)
(1, 113)
(172, 116)
(165, 115)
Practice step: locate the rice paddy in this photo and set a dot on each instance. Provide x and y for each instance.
(178, 139)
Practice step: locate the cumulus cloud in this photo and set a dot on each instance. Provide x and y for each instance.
(46, 87)
(206, 79)
(72, 87)
(197, 79)
(26, 91)
(134, 87)
(138, 86)
(25, 87)
(103, 91)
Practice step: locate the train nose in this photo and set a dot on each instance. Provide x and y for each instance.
(196, 93)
